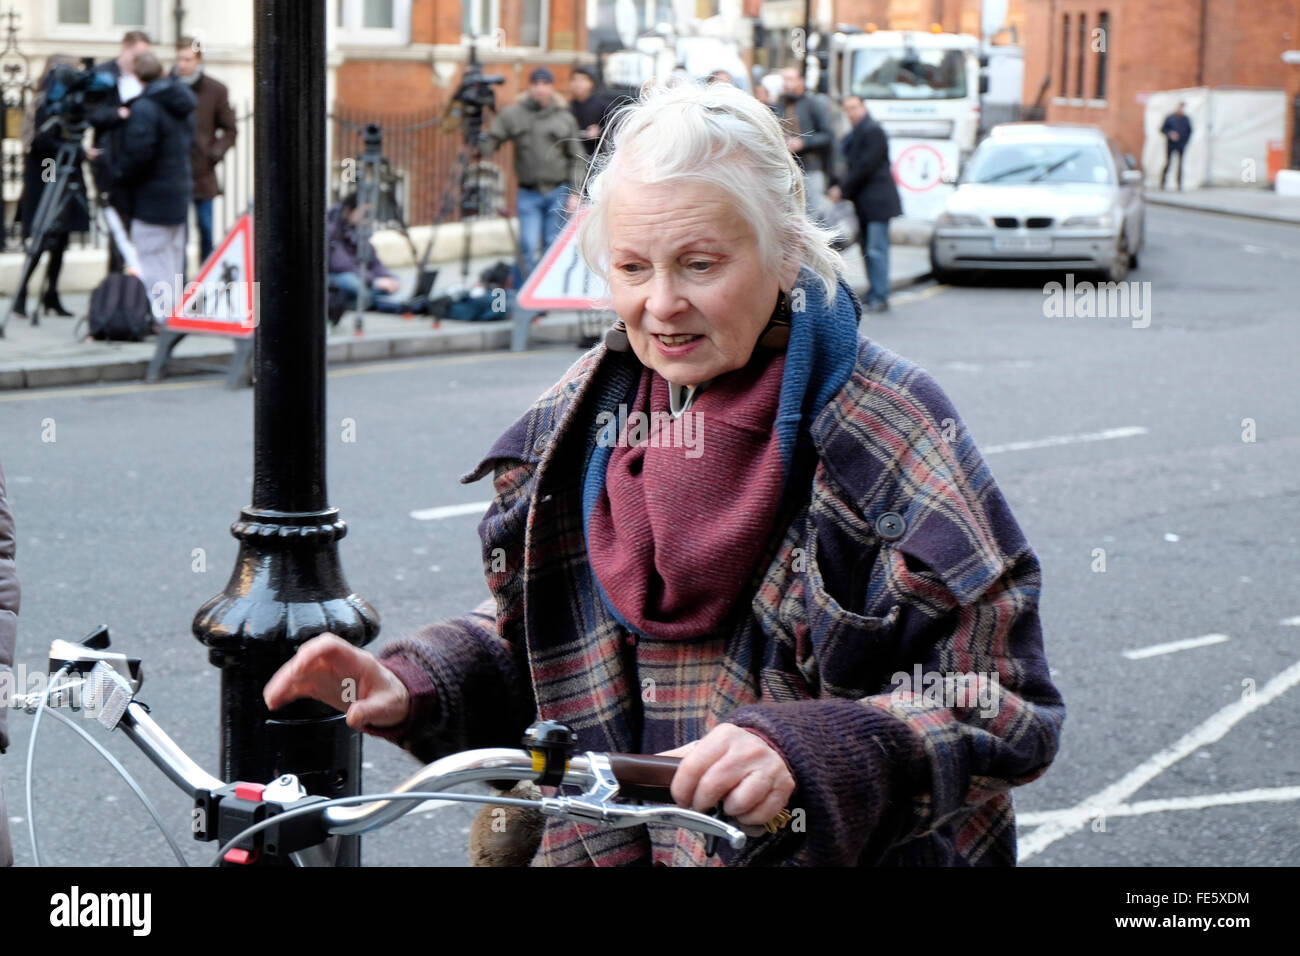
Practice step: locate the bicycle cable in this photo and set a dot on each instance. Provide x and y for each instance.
(112, 762)
(367, 798)
(31, 758)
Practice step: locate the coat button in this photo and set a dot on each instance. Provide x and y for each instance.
(539, 445)
(890, 526)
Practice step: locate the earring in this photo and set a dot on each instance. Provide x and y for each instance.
(776, 334)
(616, 338)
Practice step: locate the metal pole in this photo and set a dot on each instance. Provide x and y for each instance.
(287, 585)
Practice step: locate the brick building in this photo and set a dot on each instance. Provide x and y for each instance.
(1093, 61)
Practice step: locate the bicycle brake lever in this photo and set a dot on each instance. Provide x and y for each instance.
(595, 805)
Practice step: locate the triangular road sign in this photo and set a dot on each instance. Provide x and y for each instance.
(223, 299)
(562, 280)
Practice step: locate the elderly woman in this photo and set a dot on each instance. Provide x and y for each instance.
(739, 532)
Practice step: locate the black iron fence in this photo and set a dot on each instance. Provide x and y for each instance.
(421, 161)
(420, 166)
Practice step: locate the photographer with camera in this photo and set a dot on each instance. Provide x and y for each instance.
(42, 139)
(550, 162)
(109, 122)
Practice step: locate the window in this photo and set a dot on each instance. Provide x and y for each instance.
(522, 23)
(1102, 45)
(379, 22)
(1065, 54)
(1083, 56)
(100, 19)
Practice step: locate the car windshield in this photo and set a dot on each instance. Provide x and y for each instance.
(909, 74)
(1016, 163)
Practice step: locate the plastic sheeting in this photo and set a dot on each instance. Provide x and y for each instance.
(1231, 129)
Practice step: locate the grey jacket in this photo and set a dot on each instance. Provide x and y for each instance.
(548, 152)
(9, 595)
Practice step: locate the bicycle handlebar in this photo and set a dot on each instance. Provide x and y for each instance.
(606, 780)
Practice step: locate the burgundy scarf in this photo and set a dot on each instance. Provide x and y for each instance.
(688, 506)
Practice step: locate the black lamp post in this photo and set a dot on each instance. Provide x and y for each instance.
(287, 585)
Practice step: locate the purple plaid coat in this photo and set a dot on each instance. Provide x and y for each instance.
(890, 771)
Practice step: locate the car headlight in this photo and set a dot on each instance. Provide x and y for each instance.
(959, 220)
(1103, 221)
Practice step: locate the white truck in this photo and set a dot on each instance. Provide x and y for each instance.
(924, 88)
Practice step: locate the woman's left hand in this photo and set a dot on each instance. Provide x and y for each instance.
(737, 767)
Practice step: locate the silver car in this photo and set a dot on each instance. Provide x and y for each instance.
(1038, 196)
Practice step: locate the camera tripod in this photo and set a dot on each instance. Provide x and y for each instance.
(379, 204)
(56, 198)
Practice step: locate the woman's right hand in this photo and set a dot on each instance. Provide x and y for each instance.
(332, 671)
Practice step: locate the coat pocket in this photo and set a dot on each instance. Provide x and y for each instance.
(855, 653)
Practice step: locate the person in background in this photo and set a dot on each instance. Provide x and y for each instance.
(155, 170)
(215, 130)
(346, 273)
(550, 163)
(108, 120)
(591, 107)
(1177, 130)
(808, 136)
(9, 600)
(868, 182)
(42, 150)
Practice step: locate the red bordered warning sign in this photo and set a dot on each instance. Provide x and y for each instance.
(562, 280)
(223, 299)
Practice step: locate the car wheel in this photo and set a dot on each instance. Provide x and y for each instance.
(1119, 266)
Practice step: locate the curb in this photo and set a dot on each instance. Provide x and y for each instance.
(1220, 211)
(375, 347)
(461, 339)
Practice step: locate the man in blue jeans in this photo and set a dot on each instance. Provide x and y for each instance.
(550, 163)
(868, 182)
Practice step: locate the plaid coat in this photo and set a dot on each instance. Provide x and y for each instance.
(890, 771)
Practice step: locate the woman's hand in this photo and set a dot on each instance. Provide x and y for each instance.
(738, 767)
(332, 671)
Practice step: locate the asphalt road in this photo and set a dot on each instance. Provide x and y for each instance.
(1121, 443)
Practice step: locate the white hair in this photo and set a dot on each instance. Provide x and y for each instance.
(722, 136)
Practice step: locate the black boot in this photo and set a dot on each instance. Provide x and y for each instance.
(50, 300)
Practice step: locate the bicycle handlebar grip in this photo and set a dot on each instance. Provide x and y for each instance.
(644, 776)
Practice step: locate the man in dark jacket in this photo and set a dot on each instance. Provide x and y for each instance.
(808, 135)
(215, 130)
(1177, 130)
(155, 169)
(868, 182)
(108, 119)
(9, 595)
(591, 106)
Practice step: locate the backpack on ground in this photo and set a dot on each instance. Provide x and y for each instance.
(120, 309)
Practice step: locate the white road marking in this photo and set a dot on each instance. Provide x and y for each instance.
(1169, 647)
(1290, 622)
(1128, 431)
(451, 511)
(1209, 731)
(1142, 807)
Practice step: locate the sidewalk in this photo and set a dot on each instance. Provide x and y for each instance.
(1229, 201)
(48, 355)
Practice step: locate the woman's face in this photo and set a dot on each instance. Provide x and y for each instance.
(686, 279)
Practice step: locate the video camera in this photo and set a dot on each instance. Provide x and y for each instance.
(475, 94)
(72, 92)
